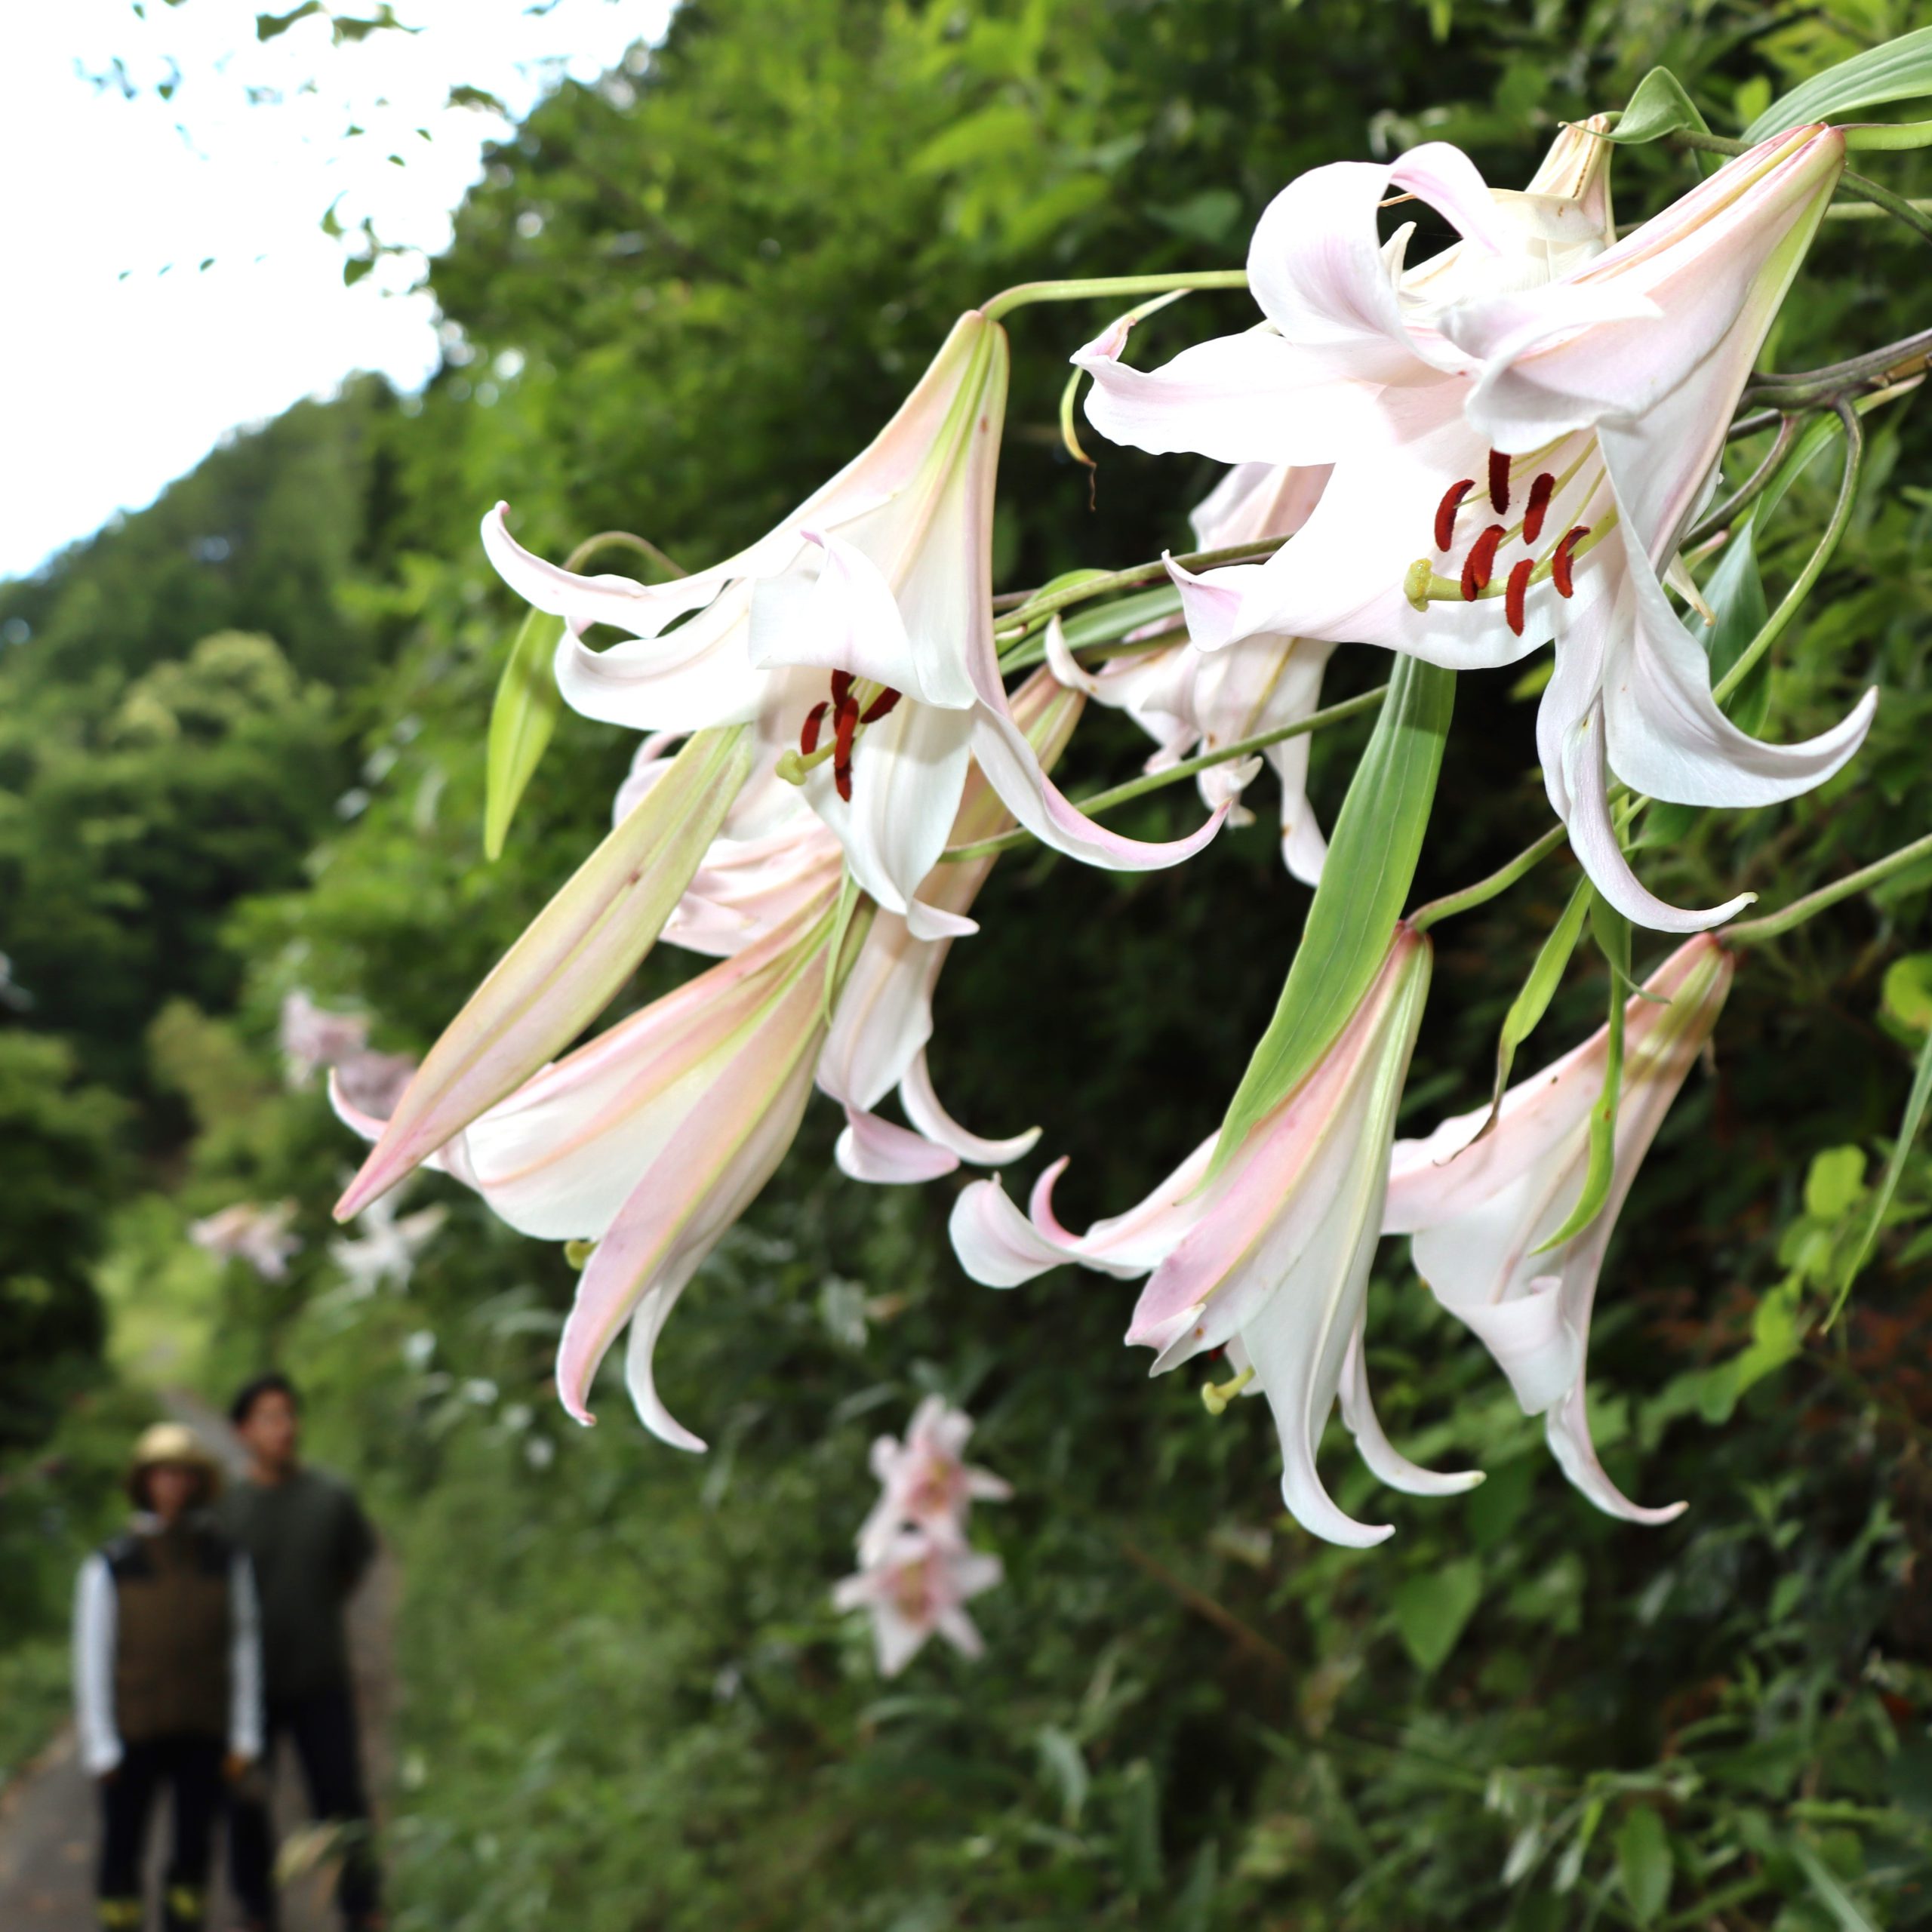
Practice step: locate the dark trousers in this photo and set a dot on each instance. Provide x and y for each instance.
(322, 1727)
(190, 1769)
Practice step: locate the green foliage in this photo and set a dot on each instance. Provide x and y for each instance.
(676, 304)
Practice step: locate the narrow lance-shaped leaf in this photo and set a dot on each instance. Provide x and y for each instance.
(568, 964)
(1900, 70)
(1612, 931)
(1888, 1185)
(1527, 1008)
(1365, 884)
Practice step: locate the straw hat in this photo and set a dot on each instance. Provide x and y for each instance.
(173, 1442)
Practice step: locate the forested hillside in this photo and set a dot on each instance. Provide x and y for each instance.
(242, 755)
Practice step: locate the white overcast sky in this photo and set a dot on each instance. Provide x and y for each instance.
(123, 360)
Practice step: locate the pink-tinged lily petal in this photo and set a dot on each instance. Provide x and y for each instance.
(1593, 837)
(926, 1484)
(566, 966)
(996, 1244)
(1255, 500)
(706, 1131)
(1385, 1460)
(1482, 1208)
(915, 1589)
(1241, 399)
(698, 675)
(1318, 270)
(929, 1118)
(451, 1159)
(888, 1155)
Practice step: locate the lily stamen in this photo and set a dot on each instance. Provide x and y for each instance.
(1215, 1396)
(1481, 565)
(1499, 482)
(1541, 490)
(1445, 512)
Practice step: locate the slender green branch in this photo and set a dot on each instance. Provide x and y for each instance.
(626, 540)
(1896, 206)
(1173, 774)
(1775, 925)
(1887, 364)
(1028, 292)
(1497, 883)
(1689, 137)
(1752, 488)
(1775, 625)
(1016, 624)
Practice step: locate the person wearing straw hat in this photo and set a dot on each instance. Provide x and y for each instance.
(168, 1676)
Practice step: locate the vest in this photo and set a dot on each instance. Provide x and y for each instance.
(174, 1623)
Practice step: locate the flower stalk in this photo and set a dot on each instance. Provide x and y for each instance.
(1024, 294)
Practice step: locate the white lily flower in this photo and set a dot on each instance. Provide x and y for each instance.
(917, 1587)
(1268, 1258)
(383, 1252)
(1522, 431)
(313, 1036)
(926, 1482)
(250, 1232)
(864, 622)
(1481, 1210)
(1189, 700)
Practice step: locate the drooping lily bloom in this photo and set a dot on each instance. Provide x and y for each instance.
(861, 630)
(1268, 1257)
(248, 1231)
(383, 1252)
(652, 1139)
(919, 1585)
(1189, 700)
(1481, 1210)
(928, 1483)
(1520, 438)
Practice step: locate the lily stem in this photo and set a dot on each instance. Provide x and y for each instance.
(1015, 625)
(1174, 774)
(1026, 292)
(1775, 625)
(1774, 925)
(1497, 883)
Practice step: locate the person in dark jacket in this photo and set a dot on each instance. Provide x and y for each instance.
(311, 1546)
(167, 1677)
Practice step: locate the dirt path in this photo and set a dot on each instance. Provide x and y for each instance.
(48, 1817)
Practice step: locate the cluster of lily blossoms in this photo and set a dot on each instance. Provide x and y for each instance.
(917, 1572)
(1458, 460)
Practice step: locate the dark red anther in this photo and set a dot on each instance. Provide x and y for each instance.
(1517, 590)
(842, 776)
(808, 731)
(880, 707)
(1445, 512)
(1499, 482)
(841, 686)
(1562, 566)
(844, 723)
(1539, 506)
(1481, 565)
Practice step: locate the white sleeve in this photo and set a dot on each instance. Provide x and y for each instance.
(244, 1662)
(94, 1620)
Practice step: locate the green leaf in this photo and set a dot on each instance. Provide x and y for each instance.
(1527, 1008)
(1843, 1909)
(1643, 1863)
(271, 26)
(1836, 1181)
(1888, 1185)
(1365, 882)
(522, 720)
(1659, 106)
(1432, 1609)
(1736, 593)
(1907, 995)
(1900, 70)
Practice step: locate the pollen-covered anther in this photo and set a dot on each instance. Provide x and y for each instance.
(1499, 482)
(1541, 488)
(1516, 593)
(1480, 565)
(880, 707)
(1445, 512)
(1562, 562)
(808, 731)
(842, 687)
(844, 723)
